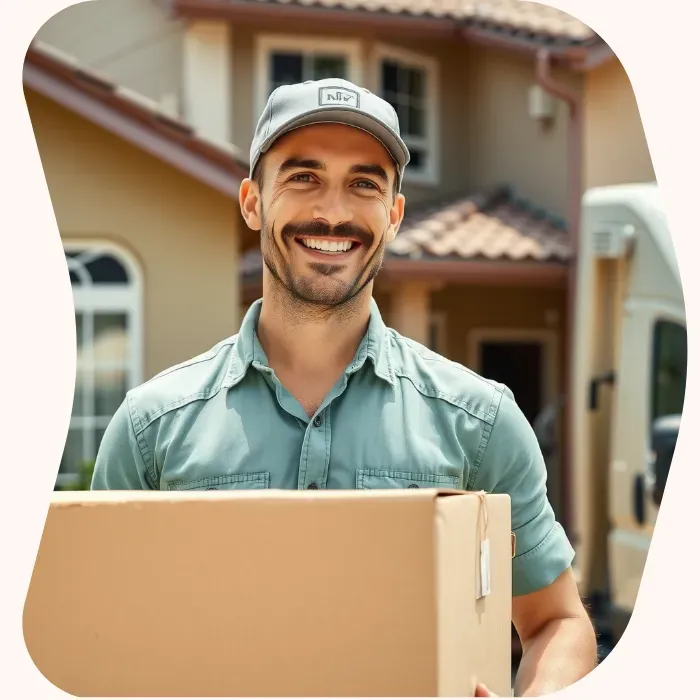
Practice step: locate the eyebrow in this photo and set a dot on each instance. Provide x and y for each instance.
(294, 163)
(371, 170)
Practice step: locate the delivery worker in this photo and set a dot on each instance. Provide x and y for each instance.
(315, 392)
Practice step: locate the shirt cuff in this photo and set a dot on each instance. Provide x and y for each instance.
(542, 565)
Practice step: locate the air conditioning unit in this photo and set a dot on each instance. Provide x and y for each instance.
(541, 104)
(612, 240)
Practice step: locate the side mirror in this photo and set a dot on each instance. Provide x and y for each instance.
(664, 434)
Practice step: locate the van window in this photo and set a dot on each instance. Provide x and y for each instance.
(669, 369)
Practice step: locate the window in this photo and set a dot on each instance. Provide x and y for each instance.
(409, 83)
(284, 60)
(437, 332)
(106, 295)
(669, 369)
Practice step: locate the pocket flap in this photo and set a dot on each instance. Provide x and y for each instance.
(225, 482)
(391, 479)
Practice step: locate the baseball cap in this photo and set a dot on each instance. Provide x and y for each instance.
(328, 101)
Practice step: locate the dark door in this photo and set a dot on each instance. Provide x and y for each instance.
(518, 365)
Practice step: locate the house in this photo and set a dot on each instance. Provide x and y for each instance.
(510, 109)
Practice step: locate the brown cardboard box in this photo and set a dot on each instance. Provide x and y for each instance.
(271, 593)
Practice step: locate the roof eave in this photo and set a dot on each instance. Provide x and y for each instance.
(566, 52)
(197, 161)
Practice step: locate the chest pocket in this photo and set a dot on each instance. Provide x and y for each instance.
(390, 479)
(226, 482)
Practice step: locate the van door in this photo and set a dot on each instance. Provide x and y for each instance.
(650, 383)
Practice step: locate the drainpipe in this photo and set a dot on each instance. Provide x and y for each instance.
(574, 164)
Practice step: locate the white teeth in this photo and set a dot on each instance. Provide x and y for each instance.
(327, 246)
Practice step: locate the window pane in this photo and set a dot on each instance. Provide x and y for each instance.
(79, 330)
(286, 68)
(72, 452)
(106, 269)
(416, 83)
(417, 161)
(111, 340)
(402, 111)
(390, 77)
(74, 279)
(79, 407)
(670, 364)
(110, 390)
(328, 67)
(415, 124)
(99, 434)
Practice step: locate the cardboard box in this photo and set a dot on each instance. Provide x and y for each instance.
(272, 593)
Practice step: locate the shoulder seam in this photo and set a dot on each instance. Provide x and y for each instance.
(496, 399)
(433, 393)
(430, 392)
(204, 394)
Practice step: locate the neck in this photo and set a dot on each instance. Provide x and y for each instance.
(307, 338)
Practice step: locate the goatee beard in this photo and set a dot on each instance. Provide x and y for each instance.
(303, 291)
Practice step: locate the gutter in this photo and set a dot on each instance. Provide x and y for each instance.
(579, 56)
(574, 165)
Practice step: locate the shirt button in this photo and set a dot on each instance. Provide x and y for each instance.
(413, 486)
(318, 421)
(312, 485)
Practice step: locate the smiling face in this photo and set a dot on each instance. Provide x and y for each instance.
(326, 207)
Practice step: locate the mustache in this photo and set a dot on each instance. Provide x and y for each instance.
(325, 230)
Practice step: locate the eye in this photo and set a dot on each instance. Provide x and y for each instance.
(365, 184)
(301, 177)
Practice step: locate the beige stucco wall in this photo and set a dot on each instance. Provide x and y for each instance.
(502, 142)
(183, 234)
(133, 42)
(615, 147)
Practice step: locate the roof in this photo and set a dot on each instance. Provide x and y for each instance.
(530, 20)
(492, 225)
(133, 117)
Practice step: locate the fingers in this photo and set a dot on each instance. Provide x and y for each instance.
(483, 692)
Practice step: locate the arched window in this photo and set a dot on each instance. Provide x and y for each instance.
(107, 297)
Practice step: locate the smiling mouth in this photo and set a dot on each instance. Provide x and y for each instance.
(328, 246)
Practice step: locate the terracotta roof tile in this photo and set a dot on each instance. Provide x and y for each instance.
(492, 224)
(507, 15)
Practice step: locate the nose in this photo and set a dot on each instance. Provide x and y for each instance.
(332, 207)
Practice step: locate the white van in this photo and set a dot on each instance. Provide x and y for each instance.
(629, 363)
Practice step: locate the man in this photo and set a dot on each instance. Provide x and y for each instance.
(315, 392)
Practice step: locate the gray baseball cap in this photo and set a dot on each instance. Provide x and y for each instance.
(330, 100)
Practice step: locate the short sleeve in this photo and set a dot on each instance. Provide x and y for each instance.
(119, 464)
(512, 463)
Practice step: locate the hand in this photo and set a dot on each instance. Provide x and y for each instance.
(483, 692)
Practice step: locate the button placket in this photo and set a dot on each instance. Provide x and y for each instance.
(315, 454)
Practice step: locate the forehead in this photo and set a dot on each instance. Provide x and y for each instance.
(330, 143)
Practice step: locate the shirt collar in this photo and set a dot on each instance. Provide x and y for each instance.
(247, 349)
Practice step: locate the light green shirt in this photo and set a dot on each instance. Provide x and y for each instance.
(400, 416)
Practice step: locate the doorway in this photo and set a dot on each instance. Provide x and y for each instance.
(526, 362)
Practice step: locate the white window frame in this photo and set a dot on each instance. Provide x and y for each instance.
(266, 44)
(429, 175)
(110, 298)
(546, 338)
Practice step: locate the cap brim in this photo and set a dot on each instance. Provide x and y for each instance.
(349, 117)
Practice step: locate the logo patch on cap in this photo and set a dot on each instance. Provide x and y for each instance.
(338, 96)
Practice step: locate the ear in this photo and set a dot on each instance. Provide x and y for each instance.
(395, 217)
(249, 200)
